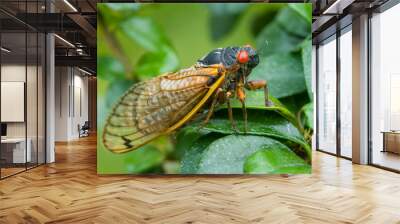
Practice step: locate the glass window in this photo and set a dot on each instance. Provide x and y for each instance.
(327, 96)
(385, 89)
(346, 93)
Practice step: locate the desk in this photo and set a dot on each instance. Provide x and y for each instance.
(391, 141)
(18, 149)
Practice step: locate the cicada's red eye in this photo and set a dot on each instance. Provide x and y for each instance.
(243, 57)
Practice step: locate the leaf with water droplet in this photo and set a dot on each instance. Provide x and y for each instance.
(261, 123)
(228, 155)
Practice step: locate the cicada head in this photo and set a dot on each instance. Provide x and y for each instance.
(247, 56)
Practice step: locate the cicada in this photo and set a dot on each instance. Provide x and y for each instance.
(163, 104)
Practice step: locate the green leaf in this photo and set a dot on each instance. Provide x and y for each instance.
(308, 115)
(260, 122)
(303, 9)
(127, 36)
(283, 72)
(306, 58)
(109, 68)
(263, 18)
(114, 13)
(156, 63)
(276, 159)
(223, 18)
(143, 31)
(275, 39)
(117, 12)
(185, 138)
(101, 104)
(293, 22)
(119, 9)
(295, 102)
(142, 159)
(285, 33)
(227, 155)
(191, 159)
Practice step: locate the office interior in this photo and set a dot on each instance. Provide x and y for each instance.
(48, 106)
(355, 67)
(48, 81)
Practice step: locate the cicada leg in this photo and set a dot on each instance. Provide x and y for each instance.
(242, 96)
(258, 84)
(213, 104)
(230, 112)
(244, 116)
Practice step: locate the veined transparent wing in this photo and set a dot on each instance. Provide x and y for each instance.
(157, 106)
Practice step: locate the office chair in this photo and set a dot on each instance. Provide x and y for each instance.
(84, 130)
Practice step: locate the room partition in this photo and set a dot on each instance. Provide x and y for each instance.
(22, 77)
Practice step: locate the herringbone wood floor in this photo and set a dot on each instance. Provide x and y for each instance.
(70, 191)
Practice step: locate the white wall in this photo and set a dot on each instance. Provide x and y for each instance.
(62, 81)
(80, 109)
(71, 102)
(13, 73)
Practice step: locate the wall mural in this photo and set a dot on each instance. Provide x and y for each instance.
(204, 88)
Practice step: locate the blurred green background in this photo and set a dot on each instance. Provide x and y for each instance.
(140, 41)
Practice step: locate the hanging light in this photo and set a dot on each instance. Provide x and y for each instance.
(5, 50)
(65, 41)
(70, 5)
(84, 71)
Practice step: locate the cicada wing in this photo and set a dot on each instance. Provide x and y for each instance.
(149, 109)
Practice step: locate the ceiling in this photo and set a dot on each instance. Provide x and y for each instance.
(74, 22)
(332, 15)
